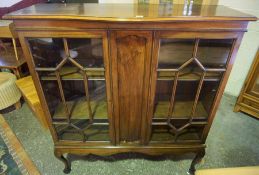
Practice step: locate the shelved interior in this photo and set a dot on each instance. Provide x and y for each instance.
(189, 72)
(71, 72)
(72, 76)
(184, 99)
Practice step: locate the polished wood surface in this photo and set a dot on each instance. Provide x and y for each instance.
(248, 100)
(129, 12)
(27, 88)
(162, 70)
(6, 28)
(251, 170)
(131, 53)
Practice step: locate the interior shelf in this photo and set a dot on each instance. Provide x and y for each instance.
(72, 73)
(79, 110)
(182, 110)
(189, 76)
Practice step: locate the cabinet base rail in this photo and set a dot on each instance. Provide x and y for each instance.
(199, 150)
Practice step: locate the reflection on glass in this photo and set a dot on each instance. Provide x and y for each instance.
(46, 51)
(87, 51)
(174, 52)
(213, 53)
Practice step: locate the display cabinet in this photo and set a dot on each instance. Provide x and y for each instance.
(248, 100)
(129, 78)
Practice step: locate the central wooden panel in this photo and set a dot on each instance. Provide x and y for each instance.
(131, 55)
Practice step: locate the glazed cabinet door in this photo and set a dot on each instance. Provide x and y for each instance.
(188, 68)
(131, 57)
(73, 74)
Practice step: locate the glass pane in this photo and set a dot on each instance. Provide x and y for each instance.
(87, 52)
(51, 92)
(206, 98)
(162, 98)
(46, 52)
(213, 53)
(184, 99)
(174, 52)
(76, 96)
(185, 94)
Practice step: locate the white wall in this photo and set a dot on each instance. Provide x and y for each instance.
(116, 1)
(248, 46)
(8, 3)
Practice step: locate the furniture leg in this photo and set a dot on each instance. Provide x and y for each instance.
(60, 156)
(17, 73)
(18, 105)
(15, 49)
(196, 160)
(237, 108)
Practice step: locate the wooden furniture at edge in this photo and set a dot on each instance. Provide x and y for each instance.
(29, 93)
(251, 170)
(143, 78)
(248, 100)
(10, 57)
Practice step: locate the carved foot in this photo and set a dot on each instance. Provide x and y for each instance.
(196, 160)
(59, 156)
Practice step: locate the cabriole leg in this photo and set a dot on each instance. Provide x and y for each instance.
(60, 156)
(196, 160)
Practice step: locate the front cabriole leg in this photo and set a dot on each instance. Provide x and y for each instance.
(196, 160)
(60, 156)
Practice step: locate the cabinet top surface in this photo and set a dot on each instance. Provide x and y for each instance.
(130, 12)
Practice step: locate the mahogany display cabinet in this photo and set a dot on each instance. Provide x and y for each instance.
(142, 78)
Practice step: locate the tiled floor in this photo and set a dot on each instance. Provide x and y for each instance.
(233, 141)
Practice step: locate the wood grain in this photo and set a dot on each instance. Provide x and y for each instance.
(131, 53)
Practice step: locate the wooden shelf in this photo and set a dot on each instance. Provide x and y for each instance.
(189, 76)
(72, 73)
(8, 59)
(79, 110)
(182, 110)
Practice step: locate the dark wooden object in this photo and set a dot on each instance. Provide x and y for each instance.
(8, 60)
(11, 57)
(129, 78)
(248, 100)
